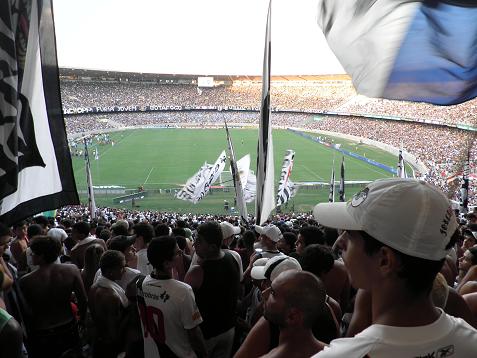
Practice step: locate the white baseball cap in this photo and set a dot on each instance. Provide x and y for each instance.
(228, 229)
(57, 233)
(270, 231)
(274, 266)
(409, 215)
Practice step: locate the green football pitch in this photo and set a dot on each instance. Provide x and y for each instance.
(165, 158)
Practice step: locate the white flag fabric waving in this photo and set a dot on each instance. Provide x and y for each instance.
(243, 166)
(265, 199)
(286, 188)
(199, 185)
(410, 50)
(250, 189)
(35, 164)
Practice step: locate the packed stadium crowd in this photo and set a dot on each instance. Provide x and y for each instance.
(148, 284)
(334, 96)
(442, 149)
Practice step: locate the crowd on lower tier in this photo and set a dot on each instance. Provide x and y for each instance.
(149, 284)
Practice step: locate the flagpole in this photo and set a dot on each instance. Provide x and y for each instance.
(265, 199)
(331, 197)
(342, 181)
(89, 181)
(236, 178)
(464, 190)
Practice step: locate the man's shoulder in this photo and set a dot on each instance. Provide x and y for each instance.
(358, 346)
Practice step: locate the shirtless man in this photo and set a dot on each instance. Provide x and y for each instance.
(20, 241)
(336, 279)
(107, 302)
(294, 302)
(468, 271)
(52, 328)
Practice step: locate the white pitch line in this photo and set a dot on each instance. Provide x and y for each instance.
(101, 154)
(370, 167)
(147, 178)
(312, 172)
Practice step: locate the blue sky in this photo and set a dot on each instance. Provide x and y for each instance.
(191, 36)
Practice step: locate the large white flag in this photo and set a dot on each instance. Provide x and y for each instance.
(286, 188)
(35, 164)
(250, 189)
(199, 185)
(265, 200)
(243, 166)
(420, 51)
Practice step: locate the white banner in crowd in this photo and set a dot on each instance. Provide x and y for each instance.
(243, 166)
(250, 189)
(286, 188)
(199, 185)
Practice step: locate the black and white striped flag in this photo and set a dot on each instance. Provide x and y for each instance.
(286, 188)
(265, 199)
(35, 164)
(401, 168)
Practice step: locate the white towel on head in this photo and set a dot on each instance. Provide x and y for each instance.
(107, 283)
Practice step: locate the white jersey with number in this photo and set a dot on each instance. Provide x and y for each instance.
(447, 337)
(167, 309)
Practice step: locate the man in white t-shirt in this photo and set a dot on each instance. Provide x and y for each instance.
(395, 240)
(144, 233)
(123, 244)
(169, 315)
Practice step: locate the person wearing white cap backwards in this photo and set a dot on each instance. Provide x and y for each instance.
(269, 236)
(395, 239)
(228, 233)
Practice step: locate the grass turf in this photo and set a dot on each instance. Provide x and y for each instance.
(165, 158)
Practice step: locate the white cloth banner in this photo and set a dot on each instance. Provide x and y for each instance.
(199, 185)
(286, 188)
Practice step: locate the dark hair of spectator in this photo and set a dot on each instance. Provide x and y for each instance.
(162, 230)
(34, 230)
(41, 220)
(110, 260)
(181, 242)
(290, 239)
(105, 235)
(249, 239)
(145, 230)
(19, 224)
(331, 235)
(317, 259)
(160, 250)
(312, 235)
(81, 227)
(473, 252)
(46, 247)
(98, 230)
(178, 231)
(211, 232)
(4, 230)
